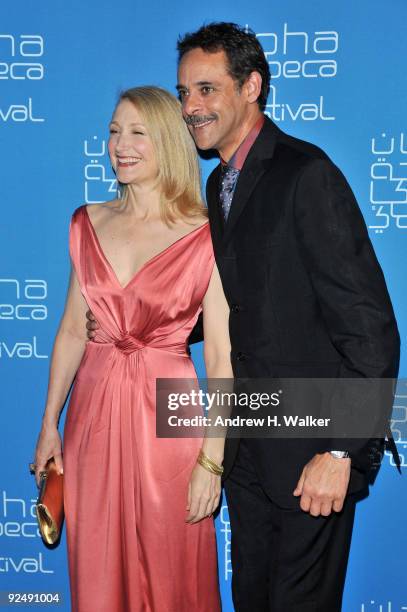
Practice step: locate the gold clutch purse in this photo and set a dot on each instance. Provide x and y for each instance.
(50, 503)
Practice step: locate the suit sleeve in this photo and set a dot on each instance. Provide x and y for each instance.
(347, 280)
(196, 334)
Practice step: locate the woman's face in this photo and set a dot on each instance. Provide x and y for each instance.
(131, 151)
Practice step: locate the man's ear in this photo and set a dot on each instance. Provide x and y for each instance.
(253, 86)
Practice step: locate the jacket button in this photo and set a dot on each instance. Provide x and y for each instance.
(235, 308)
(241, 356)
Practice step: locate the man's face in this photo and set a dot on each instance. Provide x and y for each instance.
(213, 107)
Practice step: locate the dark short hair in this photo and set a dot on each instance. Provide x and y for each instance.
(243, 51)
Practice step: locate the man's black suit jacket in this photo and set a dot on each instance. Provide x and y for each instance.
(306, 293)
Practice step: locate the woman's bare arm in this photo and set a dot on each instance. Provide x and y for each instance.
(216, 350)
(68, 349)
(67, 353)
(204, 487)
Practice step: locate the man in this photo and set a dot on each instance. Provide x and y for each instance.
(307, 299)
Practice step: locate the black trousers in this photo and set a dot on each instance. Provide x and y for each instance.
(283, 560)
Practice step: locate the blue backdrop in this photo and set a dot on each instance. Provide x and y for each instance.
(338, 79)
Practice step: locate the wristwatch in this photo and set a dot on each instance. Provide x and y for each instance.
(339, 454)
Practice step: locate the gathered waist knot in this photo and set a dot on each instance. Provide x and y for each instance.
(129, 344)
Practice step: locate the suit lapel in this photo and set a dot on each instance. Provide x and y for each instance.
(215, 215)
(251, 173)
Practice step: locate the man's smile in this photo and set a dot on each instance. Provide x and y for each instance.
(199, 121)
(203, 124)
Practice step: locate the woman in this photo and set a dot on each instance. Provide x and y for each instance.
(138, 508)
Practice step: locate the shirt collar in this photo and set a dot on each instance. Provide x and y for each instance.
(239, 156)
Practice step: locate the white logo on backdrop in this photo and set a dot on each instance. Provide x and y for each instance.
(18, 520)
(21, 349)
(29, 565)
(293, 55)
(376, 606)
(17, 517)
(16, 55)
(21, 60)
(19, 113)
(388, 182)
(307, 111)
(20, 300)
(99, 184)
(398, 423)
(224, 519)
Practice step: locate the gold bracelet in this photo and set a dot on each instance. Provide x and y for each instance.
(209, 465)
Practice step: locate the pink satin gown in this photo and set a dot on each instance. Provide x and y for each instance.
(129, 547)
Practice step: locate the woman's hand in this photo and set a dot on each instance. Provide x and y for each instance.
(48, 445)
(203, 494)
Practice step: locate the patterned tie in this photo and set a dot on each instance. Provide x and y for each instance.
(227, 187)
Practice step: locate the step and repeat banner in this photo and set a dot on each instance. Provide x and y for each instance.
(338, 79)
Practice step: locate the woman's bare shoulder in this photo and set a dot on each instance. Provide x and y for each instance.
(101, 213)
(197, 221)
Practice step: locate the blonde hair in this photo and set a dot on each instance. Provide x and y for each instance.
(179, 176)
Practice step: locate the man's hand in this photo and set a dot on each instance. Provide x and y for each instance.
(323, 484)
(91, 325)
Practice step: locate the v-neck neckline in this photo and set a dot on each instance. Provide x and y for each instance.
(146, 263)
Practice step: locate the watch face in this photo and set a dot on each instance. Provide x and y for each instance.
(340, 454)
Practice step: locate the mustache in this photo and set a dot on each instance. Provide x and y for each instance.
(194, 119)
